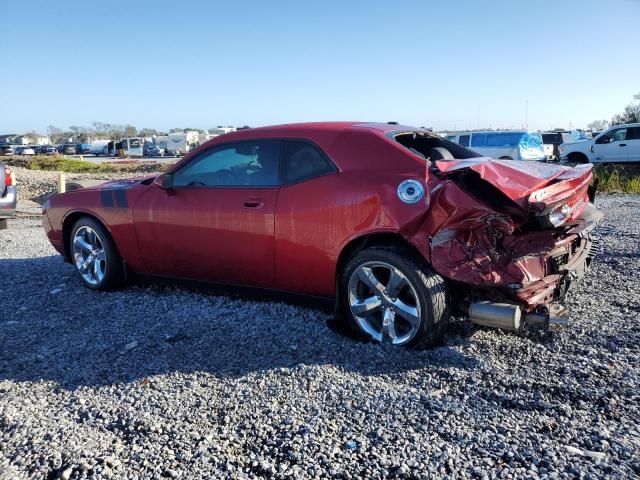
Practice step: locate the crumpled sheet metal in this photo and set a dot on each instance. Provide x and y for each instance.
(474, 244)
(519, 183)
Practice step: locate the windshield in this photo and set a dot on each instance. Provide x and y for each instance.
(552, 138)
(531, 146)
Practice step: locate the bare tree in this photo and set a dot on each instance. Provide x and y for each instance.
(598, 125)
(103, 130)
(130, 131)
(32, 137)
(147, 132)
(57, 135)
(631, 113)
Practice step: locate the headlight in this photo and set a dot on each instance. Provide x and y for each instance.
(559, 215)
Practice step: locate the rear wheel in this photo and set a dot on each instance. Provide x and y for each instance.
(391, 296)
(95, 256)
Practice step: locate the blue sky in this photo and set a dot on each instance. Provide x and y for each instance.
(206, 63)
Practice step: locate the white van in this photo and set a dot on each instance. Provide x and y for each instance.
(505, 145)
(132, 147)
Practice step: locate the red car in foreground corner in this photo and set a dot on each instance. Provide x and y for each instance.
(398, 225)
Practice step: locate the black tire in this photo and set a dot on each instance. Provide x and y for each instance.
(505, 158)
(440, 153)
(430, 289)
(114, 274)
(577, 158)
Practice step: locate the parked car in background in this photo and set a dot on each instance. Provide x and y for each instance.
(551, 142)
(47, 150)
(24, 151)
(67, 149)
(150, 149)
(395, 240)
(6, 149)
(506, 145)
(8, 192)
(83, 148)
(99, 147)
(618, 144)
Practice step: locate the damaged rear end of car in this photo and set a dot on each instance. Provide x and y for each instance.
(511, 238)
(522, 241)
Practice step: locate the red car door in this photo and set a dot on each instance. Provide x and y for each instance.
(217, 222)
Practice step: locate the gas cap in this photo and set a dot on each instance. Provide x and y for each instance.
(410, 191)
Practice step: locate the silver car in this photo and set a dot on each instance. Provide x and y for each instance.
(8, 193)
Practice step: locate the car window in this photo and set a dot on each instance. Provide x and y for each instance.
(301, 160)
(619, 134)
(503, 139)
(478, 139)
(252, 164)
(633, 133)
(614, 136)
(464, 140)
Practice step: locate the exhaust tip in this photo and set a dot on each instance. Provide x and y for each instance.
(497, 315)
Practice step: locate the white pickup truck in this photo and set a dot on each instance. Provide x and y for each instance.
(620, 143)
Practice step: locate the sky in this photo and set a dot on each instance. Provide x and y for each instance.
(446, 65)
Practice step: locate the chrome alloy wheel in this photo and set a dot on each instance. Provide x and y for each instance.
(384, 303)
(89, 256)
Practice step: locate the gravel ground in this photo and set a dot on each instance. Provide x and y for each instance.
(162, 382)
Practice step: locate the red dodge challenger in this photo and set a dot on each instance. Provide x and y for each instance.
(397, 225)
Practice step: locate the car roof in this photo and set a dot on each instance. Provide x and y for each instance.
(473, 132)
(624, 125)
(300, 129)
(325, 134)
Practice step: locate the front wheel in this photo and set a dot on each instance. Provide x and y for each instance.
(392, 296)
(95, 256)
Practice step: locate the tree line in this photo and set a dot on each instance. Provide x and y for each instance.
(105, 131)
(631, 114)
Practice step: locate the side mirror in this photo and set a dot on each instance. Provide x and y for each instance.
(164, 181)
(604, 139)
(167, 181)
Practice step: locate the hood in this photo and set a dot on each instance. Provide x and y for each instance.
(123, 184)
(575, 142)
(532, 185)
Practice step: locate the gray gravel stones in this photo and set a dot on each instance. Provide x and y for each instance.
(164, 382)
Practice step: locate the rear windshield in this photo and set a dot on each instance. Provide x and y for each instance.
(531, 140)
(422, 143)
(552, 138)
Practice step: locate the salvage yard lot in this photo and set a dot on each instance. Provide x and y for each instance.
(157, 381)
